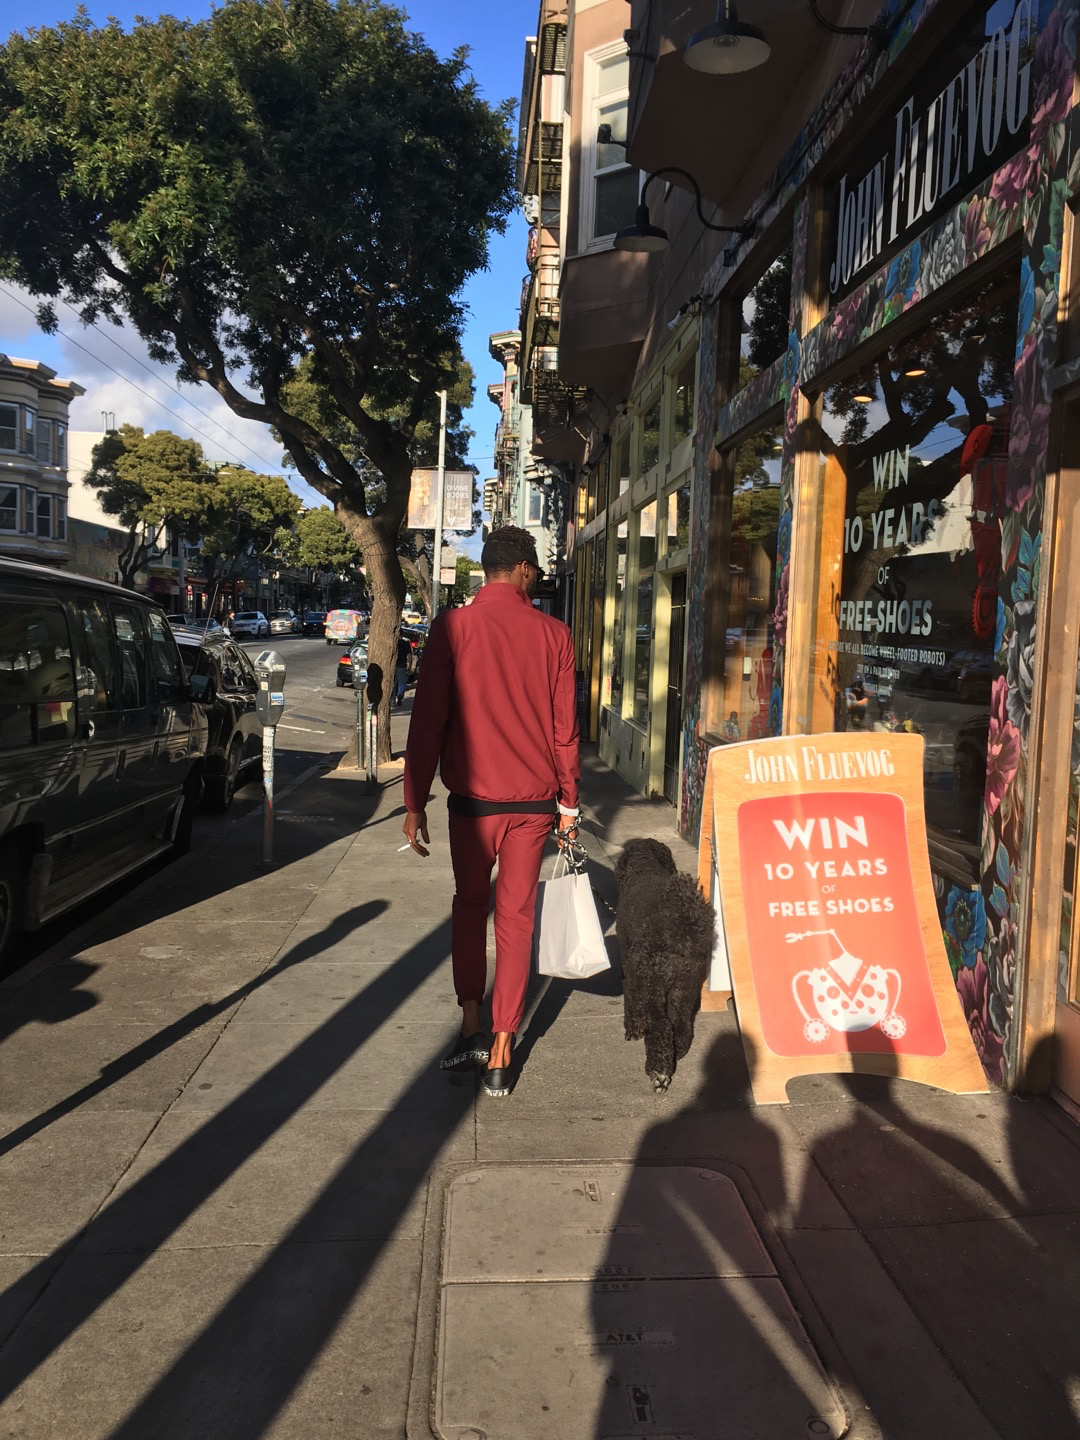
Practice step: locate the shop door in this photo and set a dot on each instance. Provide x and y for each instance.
(673, 728)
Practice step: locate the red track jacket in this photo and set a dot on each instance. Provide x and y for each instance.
(495, 705)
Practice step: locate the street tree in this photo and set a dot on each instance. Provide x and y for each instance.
(284, 179)
(313, 401)
(323, 543)
(243, 520)
(156, 485)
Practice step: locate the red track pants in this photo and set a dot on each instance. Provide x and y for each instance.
(517, 842)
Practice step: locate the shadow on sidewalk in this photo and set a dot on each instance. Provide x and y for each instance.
(340, 928)
(722, 1322)
(142, 1218)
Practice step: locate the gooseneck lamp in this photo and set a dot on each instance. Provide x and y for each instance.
(643, 235)
(727, 48)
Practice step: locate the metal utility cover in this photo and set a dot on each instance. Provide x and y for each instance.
(603, 1302)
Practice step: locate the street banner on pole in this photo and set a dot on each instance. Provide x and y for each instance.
(833, 937)
(457, 500)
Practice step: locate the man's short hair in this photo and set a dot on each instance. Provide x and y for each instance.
(506, 547)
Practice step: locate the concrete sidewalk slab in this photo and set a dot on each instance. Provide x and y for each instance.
(629, 1300)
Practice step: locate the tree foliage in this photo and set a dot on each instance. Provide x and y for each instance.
(155, 485)
(246, 514)
(323, 543)
(286, 179)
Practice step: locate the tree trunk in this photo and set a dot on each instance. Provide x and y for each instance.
(387, 585)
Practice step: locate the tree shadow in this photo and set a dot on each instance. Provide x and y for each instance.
(140, 1220)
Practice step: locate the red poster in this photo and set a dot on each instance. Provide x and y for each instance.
(833, 931)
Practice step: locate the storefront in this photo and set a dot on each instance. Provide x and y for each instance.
(887, 502)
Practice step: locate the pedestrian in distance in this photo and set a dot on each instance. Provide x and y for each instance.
(401, 670)
(495, 708)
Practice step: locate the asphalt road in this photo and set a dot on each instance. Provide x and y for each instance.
(315, 729)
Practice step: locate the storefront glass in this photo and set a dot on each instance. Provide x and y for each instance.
(914, 468)
(643, 619)
(613, 688)
(748, 643)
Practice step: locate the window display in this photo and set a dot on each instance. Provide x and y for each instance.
(914, 454)
(643, 611)
(748, 641)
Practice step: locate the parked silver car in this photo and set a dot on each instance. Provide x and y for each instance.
(249, 622)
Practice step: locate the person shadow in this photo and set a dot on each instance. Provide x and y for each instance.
(689, 1318)
(956, 1273)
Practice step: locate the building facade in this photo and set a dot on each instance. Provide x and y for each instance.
(825, 475)
(33, 462)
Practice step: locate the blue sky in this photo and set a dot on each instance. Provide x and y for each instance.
(494, 31)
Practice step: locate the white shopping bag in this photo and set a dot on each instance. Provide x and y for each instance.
(568, 939)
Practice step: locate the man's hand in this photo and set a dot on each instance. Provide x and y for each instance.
(416, 822)
(567, 829)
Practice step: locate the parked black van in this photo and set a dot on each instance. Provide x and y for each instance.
(101, 746)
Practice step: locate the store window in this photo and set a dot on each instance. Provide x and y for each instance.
(619, 473)
(678, 515)
(613, 697)
(682, 401)
(749, 634)
(650, 437)
(644, 622)
(611, 185)
(766, 315)
(914, 461)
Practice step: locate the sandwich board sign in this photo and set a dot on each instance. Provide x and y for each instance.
(835, 949)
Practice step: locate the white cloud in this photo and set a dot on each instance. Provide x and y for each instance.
(121, 380)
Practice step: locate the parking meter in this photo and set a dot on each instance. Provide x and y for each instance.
(269, 707)
(365, 711)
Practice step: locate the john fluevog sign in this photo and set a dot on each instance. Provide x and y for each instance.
(837, 959)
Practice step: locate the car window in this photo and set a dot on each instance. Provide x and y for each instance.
(99, 675)
(37, 675)
(248, 678)
(168, 672)
(127, 627)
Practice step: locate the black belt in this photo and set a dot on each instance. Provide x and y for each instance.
(473, 808)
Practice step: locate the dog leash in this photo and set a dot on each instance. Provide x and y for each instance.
(577, 858)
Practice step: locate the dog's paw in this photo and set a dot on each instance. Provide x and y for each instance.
(659, 1082)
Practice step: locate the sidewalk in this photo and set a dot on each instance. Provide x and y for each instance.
(232, 1182)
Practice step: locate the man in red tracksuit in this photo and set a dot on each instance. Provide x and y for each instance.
(496, 709)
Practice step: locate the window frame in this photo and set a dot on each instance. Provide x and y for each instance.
(595, 61)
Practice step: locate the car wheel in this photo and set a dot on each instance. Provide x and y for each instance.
(220, 791)
(185, 821)
(12, 899)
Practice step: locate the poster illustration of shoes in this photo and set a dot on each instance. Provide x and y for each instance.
(837, 960)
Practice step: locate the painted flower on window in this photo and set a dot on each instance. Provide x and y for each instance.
(973, 986)
(1002, 748)
(944, 255)
(1021, 665)
(965, 921)
(1030, 429)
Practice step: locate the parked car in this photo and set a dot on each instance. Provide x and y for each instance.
(224, 684)
(205, 623)
(249, 622)
(101, 745)
(345, 627)
(284, 622)
(314, 622)
(345, 665)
